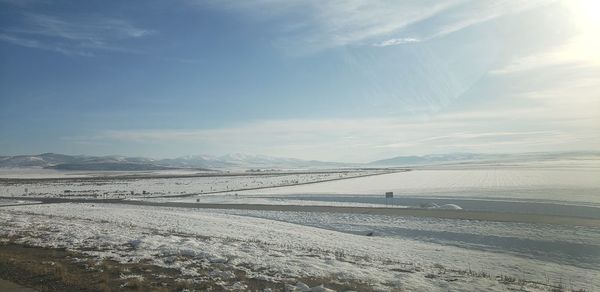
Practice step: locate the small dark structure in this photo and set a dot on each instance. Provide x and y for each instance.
(388, 195)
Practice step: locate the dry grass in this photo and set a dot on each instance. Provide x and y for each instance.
(47, 269)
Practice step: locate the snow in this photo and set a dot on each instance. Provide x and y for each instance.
(7, 202)
(180, 238)
(575, 245)
(37, 173)
(235, 198)
(107, 187)
(581, 184)
(405, 253)
(448, 207)
(301, 287)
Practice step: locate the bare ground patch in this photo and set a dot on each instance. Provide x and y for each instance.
(55, 269)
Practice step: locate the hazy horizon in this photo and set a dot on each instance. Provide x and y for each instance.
(254, 155)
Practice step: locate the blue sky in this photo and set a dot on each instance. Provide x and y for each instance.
(352, 80)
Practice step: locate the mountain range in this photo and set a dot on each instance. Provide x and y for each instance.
(246, 161)
(200, 162)
(466, 158)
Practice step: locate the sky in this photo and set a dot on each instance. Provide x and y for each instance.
(351, 81)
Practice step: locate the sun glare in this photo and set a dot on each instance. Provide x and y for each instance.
(586, 14)
(589, 12)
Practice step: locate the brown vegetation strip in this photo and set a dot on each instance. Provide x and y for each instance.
(52, 269)
(55, 269)
(7, 286)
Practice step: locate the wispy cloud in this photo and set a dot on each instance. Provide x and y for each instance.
(314, 25)
(371, 138)
(577, 53)
(99, 30)
(20, 2)
(459, 16)
(74, 36)
(399, 41)
(31, 43)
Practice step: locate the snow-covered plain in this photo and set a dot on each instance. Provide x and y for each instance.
(567, 185)
(9, 202)
(113, 187)
(44, 173)
(422, 254)
(275, 250)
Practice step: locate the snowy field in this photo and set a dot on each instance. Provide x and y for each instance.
(274, 249)
(9, 202)
(573, 185)
(113, 186)
(385, 252)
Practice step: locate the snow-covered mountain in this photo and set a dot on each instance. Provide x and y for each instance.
(81, 162)
(465, 158)
(240, 160)
(247, 161)
(41, 160)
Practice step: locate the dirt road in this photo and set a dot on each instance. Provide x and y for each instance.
(412, 212)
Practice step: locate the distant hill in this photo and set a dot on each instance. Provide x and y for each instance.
(240, 160)
(41, 160)
(108, 166)
(465, 158)
(81, 162)
(121, 163)
(246, 161)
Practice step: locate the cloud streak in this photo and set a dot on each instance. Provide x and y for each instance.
(459, 16)
(315, 25)
(34, 44)
(366, 139)
(398, 41)
(72, 37)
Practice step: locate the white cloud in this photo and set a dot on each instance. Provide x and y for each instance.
(93, 30)
(313, 25)
(360, 140)
(399, 41)
(580, 51)
(72, 37)
(572, 54)
(31, 43)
